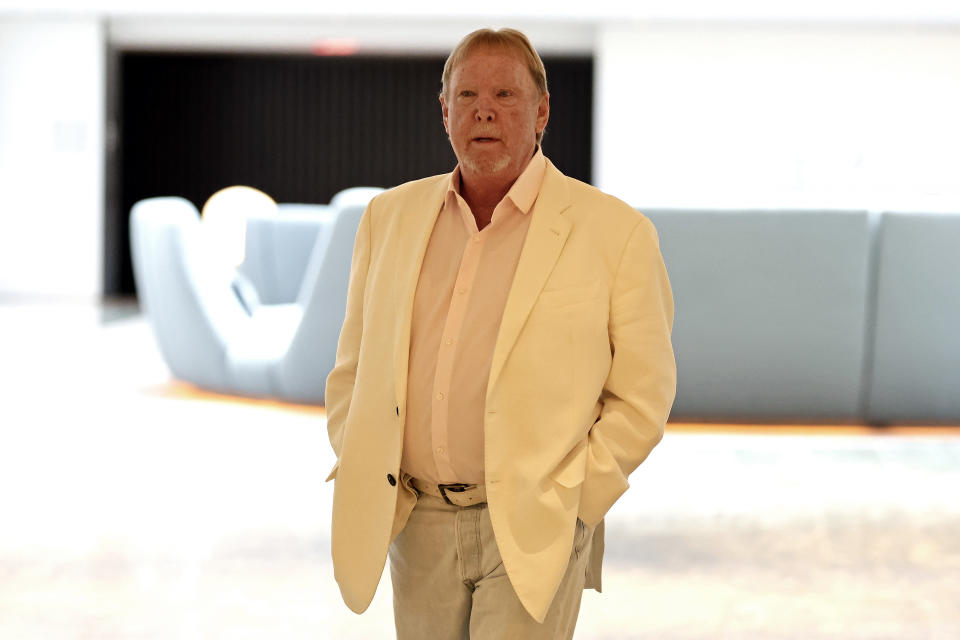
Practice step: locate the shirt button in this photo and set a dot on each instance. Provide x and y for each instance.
(476, 238)
(440, 396)
(440, 450)
(449, 341)
(462, 290)
(391, 480)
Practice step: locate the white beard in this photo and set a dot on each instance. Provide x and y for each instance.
(487, 165)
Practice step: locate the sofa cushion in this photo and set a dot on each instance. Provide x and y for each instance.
(916, 362)
(770, 312)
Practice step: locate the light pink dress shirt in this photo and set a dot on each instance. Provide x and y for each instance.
(462, 289)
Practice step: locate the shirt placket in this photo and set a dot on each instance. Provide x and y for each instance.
(440, 414)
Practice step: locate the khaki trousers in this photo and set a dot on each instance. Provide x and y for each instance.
(449, 581)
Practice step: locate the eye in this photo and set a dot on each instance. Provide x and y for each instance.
(504, 93)
(467, 93)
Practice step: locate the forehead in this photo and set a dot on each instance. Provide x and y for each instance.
(493, 64)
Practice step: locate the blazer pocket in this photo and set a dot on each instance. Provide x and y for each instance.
(568, 296)
(572, 469)
(333, 472)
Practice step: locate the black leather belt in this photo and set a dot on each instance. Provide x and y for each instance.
(455, 494)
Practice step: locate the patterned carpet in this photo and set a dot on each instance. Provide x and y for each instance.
(134, 507)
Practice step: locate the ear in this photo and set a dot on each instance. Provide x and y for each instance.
(543, 112)
(446, 114)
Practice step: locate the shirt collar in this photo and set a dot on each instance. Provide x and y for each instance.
(523, 193)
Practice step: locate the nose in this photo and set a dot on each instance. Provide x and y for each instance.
(485, 112)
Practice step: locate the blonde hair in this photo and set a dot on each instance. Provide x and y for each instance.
(510, 39)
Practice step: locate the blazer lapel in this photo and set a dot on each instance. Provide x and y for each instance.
(545, 239)
(419, 216)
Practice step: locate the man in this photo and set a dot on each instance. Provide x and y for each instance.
(504, 364)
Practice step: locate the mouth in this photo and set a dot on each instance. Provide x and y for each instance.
(485, 140)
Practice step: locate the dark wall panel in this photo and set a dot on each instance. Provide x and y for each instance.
(300, 128)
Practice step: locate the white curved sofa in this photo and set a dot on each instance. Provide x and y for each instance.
(283, 347)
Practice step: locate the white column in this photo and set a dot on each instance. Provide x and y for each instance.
(51, 156)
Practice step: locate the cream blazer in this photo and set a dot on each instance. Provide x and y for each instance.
(581, 384)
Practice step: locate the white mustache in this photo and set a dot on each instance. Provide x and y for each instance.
(485, 133)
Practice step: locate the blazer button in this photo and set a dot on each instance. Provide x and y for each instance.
(391, 480)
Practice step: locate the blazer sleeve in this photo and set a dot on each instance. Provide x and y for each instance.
(640, 388)
(340, 382)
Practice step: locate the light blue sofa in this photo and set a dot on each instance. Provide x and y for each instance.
(278, 248)
(781, 316)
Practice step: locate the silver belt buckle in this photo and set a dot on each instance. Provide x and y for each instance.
(457, 487)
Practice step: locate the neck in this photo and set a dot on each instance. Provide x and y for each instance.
(483, 193)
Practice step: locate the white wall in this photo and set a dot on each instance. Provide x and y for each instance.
(687, 114)
(436, 36)
(779, 116)
(51, 156)
(856, 11)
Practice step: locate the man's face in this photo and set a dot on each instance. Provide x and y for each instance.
(492, 113)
